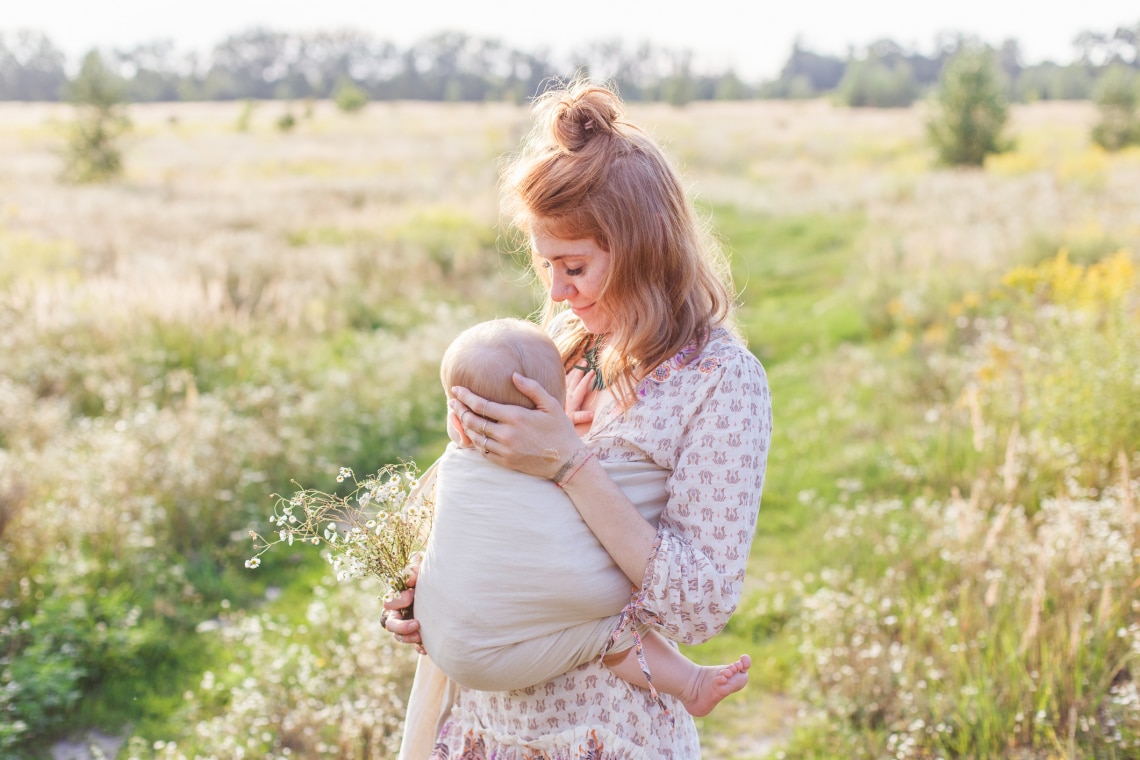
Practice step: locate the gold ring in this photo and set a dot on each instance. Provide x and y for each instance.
(484, 412)
(485, 429)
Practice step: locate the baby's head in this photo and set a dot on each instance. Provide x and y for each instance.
(483, 358)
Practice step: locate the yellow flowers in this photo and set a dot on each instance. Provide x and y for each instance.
(1061, 282)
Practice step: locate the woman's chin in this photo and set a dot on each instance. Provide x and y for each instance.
(593, 321)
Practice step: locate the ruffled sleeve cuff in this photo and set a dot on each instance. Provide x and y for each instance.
(682, 593)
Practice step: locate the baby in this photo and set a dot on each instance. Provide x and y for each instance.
(514, 589)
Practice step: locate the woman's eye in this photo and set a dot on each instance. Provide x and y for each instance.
(574, 272)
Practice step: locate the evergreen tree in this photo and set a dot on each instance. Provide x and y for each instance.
(93, 153)
(1117, 97)
(971, 109)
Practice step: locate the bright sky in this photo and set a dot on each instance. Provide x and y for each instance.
(753, 37)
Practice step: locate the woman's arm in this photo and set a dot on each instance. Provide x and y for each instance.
(613, 519)
(695, 574)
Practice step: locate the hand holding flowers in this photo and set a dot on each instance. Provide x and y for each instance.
(374, 531)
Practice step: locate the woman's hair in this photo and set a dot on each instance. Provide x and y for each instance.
(587, 173)
(483, 357)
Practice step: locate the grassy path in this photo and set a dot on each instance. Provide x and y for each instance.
(798, 306)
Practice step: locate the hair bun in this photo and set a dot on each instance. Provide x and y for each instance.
(582, 112)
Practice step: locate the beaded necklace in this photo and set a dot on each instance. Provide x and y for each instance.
(590, 355)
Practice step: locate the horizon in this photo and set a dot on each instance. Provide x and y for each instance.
(754, 52)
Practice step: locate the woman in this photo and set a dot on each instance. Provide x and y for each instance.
(655, 373)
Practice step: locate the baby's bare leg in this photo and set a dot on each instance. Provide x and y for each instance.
(700, 688)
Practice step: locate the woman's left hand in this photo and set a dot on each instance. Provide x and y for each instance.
(533, 441)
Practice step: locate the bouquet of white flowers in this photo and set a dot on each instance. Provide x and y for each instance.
(374, 531)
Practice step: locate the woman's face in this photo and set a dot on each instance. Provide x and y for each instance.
(576, 269)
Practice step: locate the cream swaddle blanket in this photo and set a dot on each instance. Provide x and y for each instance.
(514, 588)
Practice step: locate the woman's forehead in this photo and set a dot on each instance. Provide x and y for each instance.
(553, 248)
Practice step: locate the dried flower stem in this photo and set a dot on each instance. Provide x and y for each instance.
(374, 531)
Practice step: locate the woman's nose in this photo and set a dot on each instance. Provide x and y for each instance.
(560, 290)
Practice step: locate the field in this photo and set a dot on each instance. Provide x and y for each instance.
(946, 561)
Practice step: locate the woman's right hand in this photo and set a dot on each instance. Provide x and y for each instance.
(404, 631)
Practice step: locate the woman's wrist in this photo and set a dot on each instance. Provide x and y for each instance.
(571, 466)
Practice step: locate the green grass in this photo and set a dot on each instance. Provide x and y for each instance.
(793, 274)
(798, 305)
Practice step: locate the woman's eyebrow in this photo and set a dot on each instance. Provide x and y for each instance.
(560, 256)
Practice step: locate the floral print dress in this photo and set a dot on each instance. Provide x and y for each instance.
(706, 418)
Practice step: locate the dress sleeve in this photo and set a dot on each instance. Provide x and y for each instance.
(695, 573)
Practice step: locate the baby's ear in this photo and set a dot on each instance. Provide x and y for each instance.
(455, 431)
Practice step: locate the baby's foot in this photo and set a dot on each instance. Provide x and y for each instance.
(713, 683)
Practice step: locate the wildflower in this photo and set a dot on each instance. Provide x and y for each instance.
(254, 563)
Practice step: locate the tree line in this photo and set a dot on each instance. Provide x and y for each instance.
(265, 64)
(886, 74)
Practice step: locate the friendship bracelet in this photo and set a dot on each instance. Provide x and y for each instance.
(565, 468)
(561, 482)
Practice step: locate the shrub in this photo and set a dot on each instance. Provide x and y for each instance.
(876, 84)
(349, 96)
(971, 109)
(93, 153)
(246, 115)
(286, 121)
(1117, 97)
